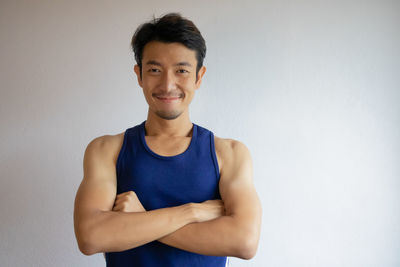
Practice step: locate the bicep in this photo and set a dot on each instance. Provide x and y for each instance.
(97, 190)
(236, 185)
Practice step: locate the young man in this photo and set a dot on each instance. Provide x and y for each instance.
(167, 192)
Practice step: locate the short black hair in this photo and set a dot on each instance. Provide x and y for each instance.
(169, 28)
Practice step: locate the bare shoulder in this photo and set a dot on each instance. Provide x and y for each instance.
(227, 147)
(106, 146)
(98, 186)
(230, 151)
(97, 190)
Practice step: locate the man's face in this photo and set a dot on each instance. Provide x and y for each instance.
(168, 78)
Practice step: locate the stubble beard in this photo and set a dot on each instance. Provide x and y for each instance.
(168, 115)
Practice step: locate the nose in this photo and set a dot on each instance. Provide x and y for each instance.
(168, 82)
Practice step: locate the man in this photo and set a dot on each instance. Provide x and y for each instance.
(167, 192)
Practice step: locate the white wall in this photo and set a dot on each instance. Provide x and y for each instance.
(311, 87)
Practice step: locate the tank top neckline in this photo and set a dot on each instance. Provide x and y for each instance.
(143, 139)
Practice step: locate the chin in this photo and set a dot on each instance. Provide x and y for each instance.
(169, 115)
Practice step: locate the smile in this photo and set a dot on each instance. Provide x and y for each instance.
(168, 99)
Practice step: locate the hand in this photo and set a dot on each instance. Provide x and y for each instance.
(208, 210)
(128, 202)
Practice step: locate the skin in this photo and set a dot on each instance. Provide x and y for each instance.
(106, 222)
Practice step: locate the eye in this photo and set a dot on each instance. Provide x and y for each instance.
(153, 70)
(182, 71)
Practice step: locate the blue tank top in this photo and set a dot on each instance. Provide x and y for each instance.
(166, 181)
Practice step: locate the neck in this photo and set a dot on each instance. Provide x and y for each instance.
(179, 127)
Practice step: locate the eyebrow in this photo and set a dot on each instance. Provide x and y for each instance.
(154, 62)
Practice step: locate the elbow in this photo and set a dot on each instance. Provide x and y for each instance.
(87, 248)
(247, 253)
(85, 244)
(88, 234)
(248, 248)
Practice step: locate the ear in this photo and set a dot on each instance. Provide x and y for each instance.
(200, 74)
(137, 71)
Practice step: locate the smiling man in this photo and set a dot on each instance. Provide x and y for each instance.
(167, 192)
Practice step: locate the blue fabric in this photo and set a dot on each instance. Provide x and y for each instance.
(161, 182)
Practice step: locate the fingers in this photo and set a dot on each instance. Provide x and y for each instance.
(125, 194)
(128, 202)
(122, 196)
(117, 208)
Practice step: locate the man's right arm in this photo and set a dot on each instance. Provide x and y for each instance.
(97, 227)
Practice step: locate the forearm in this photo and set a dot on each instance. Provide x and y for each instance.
(223, 236)
(118, 231)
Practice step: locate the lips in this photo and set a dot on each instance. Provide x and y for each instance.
(168, 99)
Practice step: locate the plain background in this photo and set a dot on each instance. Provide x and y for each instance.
(311, 87)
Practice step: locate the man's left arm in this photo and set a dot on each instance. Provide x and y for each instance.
(237, 233)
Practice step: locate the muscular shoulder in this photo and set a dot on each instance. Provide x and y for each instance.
(229, 152)
(106, 146)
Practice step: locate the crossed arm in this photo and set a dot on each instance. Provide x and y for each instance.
(236, 233)
(98, 229)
